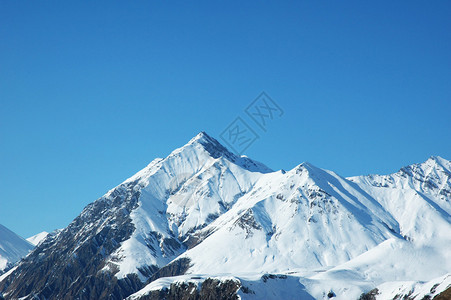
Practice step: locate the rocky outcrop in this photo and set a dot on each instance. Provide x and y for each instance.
(371, 295)
(210, 289)
(445, 295)
(175, 268)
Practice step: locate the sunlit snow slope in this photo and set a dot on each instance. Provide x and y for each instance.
(37, 238)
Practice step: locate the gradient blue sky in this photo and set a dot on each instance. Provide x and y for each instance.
(90, 92)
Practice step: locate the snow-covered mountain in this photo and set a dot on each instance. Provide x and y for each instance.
(204, 220)
(12, 248)
(37, 238)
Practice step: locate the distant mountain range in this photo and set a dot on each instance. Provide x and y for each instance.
(12, 248)
(204, 223)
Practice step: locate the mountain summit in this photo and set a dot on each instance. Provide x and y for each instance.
(206, 221)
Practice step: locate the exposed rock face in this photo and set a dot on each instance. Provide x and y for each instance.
(445, 295)
(211, 289)
(178, 267)
(438, 289)
(69, 264)
(371, 295)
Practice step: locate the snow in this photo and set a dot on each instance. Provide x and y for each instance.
(319, 231)
(344, 223)
(417, 290)
(6, 274)
(12, 248)
(180, 194)
(37, 238)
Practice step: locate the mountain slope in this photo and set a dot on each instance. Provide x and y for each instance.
(218, 219)
(12, 248)
(37, 238)
(418, 196)
(137, 227)
(180, 195)
(304, 218)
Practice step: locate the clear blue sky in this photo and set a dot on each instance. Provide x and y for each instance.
(90, 92)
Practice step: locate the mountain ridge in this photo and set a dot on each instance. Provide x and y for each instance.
(204, 210)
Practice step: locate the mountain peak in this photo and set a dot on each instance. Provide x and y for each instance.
(200, 136)
(433, 163)
(439, 161)
(217, 150)
(305, 167)
(212, 146)
(37, 238)
(202, 204)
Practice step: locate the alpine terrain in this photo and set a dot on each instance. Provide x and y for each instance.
(204, 223)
